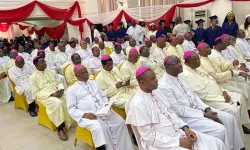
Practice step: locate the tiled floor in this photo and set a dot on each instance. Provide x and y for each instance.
(19, 131)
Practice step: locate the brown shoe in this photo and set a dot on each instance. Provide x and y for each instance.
(62, 135)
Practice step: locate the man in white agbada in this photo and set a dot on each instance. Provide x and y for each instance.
(117, 55)
(84, 99)
(146, 59)
(49, 91)
(188, 44)
(135, 31)
(132, 44)
(5, 87)
(94, 63)
(72, 48)
(159, 53)
(181, 28)
(242, 44)
(85, 53)
(19, 74)
(95, 33)
(155, 124)
(3, 59)
(113, 83)
(26, 56)
(205, 86)
(190, 108)
(129, 67)
(62, 58)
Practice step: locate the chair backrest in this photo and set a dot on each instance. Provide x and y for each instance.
(11, 82)
(108, 50)
(64, 69)
(94, 77)
(119, 67)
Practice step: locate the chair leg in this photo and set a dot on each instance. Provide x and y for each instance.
(75, 142)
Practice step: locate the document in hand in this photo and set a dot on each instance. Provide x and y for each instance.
(106, 109)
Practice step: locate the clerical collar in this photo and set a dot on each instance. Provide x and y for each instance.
(83, 82)
(171, 76)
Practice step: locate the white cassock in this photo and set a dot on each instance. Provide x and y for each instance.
(118, 58)
(5, 88)
(189, 45)
(97, 34)
(26, 56)
(244, 47)
(149, 62)
(20, 76)
(159, 55)
(211, 93)
(157, 127)
(61, 60)
(136, 33)
(4, 59)
(181, 29)
(70, 50)
(190, 108)
(124, 45)
(128, 70)
(95, 64)
(85, 55)
(110, 130)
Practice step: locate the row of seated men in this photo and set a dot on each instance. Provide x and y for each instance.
(154, 113)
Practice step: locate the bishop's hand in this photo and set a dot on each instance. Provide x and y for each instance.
(186, 143)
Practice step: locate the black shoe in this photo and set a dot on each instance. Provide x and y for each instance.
(243, 148)
(246, 130)
(11, 98)
(103, 147)
(134, 139)
(33, 113)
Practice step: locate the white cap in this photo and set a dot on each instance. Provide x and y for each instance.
(151, 24)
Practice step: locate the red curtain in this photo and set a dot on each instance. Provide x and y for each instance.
(241, 0)
(17, 14)
(117, 19)
(77, 23)
(4, 27)
(22, 27)
(187, 5)
(56, 32)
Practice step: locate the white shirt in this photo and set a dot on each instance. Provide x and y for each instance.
(70, 50)
(117, 58)
(244, 47)
(136, 33)
(181, 29)
(95, 64)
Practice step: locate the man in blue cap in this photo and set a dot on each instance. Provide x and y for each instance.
(213, 31)
(200, 32)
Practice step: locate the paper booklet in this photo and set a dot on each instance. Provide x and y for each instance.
(106, 109)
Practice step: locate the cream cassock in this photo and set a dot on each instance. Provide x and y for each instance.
(20, 76)
(110, 130)
(190, 108)
(157, 127)
(95, 64)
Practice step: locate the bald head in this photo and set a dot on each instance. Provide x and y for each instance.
(81, 73)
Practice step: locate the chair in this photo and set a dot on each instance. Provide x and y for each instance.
(108, 50)
(43, 118)
(96, 75)
(120, 111)
(119, 67)
(64, 69)
(20, 100)
(85, 136)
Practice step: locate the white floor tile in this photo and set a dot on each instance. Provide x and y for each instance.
(20, 138)
(44, 143)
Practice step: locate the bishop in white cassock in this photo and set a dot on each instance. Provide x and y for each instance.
(84, 100)
(49, 91)
(188, 44)
(85, 53)
(129, 67)
(117, 55)
(5, 90)
(62, 58)
(19, 74)
(155, 124)
(113, 83)
(3, 59)
(135, 31)
(146, 59)
(94, 63)
(190, 108)
(211, 93)
(159, 52)
(242, 44)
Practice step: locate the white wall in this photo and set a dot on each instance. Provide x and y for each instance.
(241, 9)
